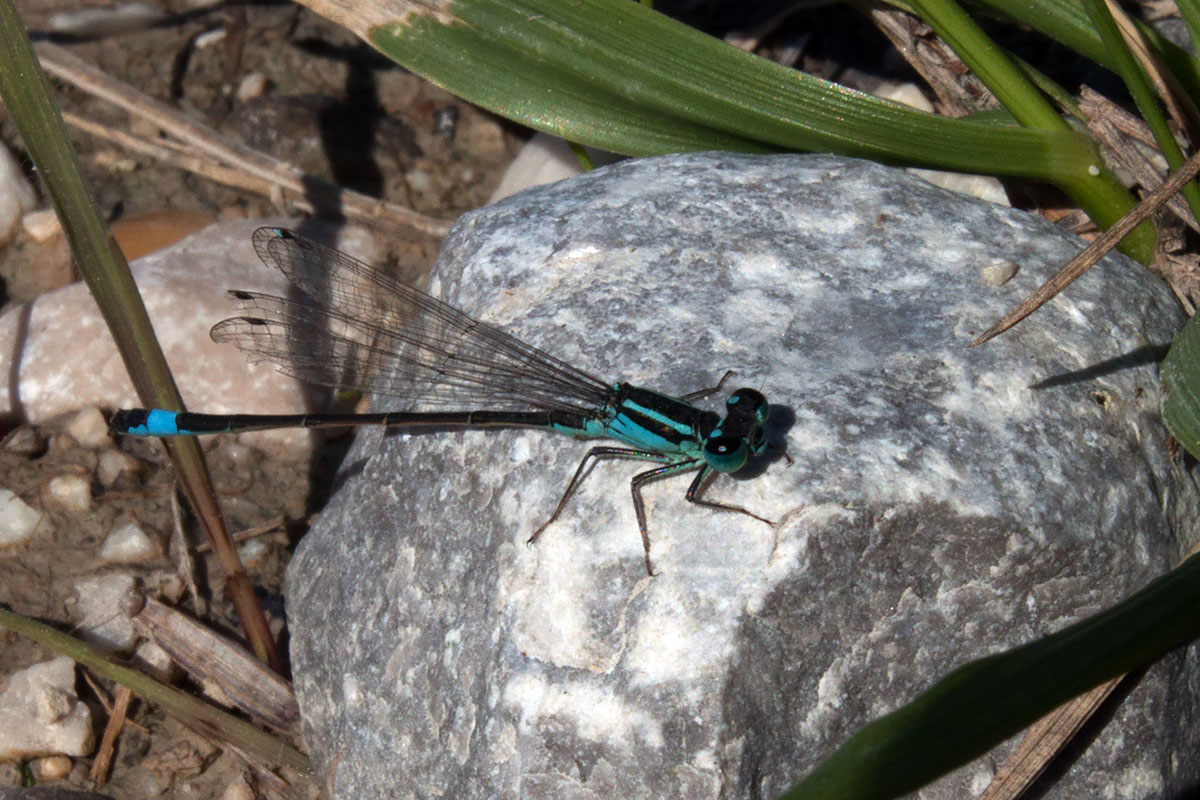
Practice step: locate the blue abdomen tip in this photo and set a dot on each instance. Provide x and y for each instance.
(158, 423)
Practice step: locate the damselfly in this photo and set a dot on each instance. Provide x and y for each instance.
(353, 326)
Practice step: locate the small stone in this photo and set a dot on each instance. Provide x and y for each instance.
(113, 465)
(52, 768)
(252, 552)
(154, 661)
(103, 611)
(17, 519)
(907, 93)
(419, 180)
(98, 22)
(41, 225)
(998, 273)
(544, 159)
(89, 428)
(983, 187)
(252, 85)
(72, 492)
(128, 544)
(41, 716)
(209, 38)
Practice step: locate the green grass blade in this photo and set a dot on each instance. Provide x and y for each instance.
(1189, 12)
(990, 64)
(1103, 198)
(1067, 22)
(617, 75)
(1142, 92)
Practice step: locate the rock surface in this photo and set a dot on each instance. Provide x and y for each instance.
(944, 502)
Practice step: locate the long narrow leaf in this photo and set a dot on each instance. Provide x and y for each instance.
(617, 75)
(1141, 89)
(1067, 22)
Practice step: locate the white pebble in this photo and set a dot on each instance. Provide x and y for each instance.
(154, 661)
(42, 224)
(17, 519)
(25, 441)
(984, 187)
(89, 428)
(40, 714)
(419, 180)
(252, 85)
(51, 768)
(72, 492)
(128, 544)
(239, 789)
(105, 21)
(112, 464)
(209, 38)
(907, 93)
(252, 551)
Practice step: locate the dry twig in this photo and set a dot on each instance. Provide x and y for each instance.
(208, 153)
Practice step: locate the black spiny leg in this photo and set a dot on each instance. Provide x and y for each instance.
(639, 507)
(694, 490)
(597, 453)
(696, 395)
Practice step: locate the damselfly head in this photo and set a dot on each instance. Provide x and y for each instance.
(740, 435)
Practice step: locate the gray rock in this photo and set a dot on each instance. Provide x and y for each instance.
(944, 502)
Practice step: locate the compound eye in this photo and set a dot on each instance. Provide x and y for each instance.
(747, 404)
(726, 453)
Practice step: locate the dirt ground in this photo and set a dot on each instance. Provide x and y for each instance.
(329, 105)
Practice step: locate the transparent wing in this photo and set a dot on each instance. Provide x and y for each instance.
(354, 327)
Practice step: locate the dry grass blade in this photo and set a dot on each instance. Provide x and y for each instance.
(185, 566)
(1130, 145)
(1095, 251)
(249, 533)
(959, 91)
(1174, 97)
(259, 172)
